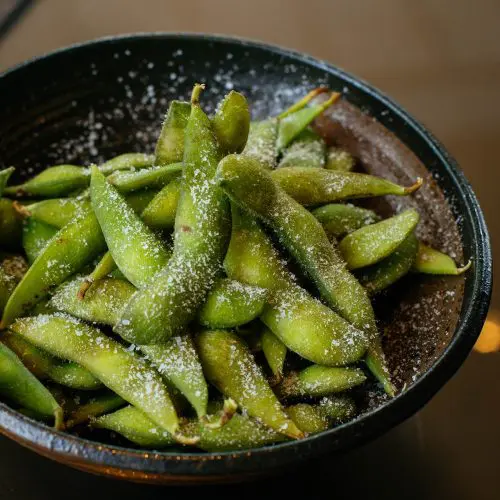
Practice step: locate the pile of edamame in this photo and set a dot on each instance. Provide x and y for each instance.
(215, 294)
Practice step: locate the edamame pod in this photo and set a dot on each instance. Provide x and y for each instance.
(338, 159)
(383, 274)
(20, 385)
(318, 186)
(93, 408)
(228, 365)
(11, 226)
(431, 261)
(136, 250)
(308, 418)
(302, 102)
(66, 253)
(317, 380)
(201, 228)
(275, 352)
(231, 303)
(104, 267)
(178, 361)
(44, 366)
(121, 370)
(58, 212)
(261, 143)
(338, 219)
(127, 161)
(307, 150)
(170, 144)
(4, 178)
(370, 244)
(160, 212)
(36, 235)
(232, 122)
(147, 178)
(52, 182)
(338, 408)
(301, 322)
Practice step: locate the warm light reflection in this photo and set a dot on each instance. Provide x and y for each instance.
(489, 340)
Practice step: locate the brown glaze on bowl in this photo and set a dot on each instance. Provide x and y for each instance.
(93, 101)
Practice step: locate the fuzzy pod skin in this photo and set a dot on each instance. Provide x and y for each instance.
(119, 369)
(147, 178)
(201, 232)
(318, 186)
(307, 150)
(160, 212)
(36, 235)
(228, 365)
(304, 324)
(431, 261)
(127, 161)
(19, 385)
(232, 122)
(97, 406)
(338, 159)
(308, 418)
(58, 212)
(275, 352)
(371, 244)
(261, 143)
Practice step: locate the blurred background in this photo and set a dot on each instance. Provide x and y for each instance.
(440, 59)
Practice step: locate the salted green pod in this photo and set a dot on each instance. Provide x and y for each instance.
(232, 122)
(127, 161)
(317, 380)
(228, 365)
(431, 261)
(44, 366)
(201, 232)
(337, 408)
(105, 267)
(11, 226)
(93, 408)
(52, 182)
(261, 143)
(232, 303)
(275, 352)
(291, 125)
(338, 219)
(318, 186)
(304, 324)
(65, 254)
(147, 178)
(36, 235)
(19, 385)
(307, 150)
(338, 159)
(386, 272)
(136, 250)
(160, 212)
(308, 418)
(170, 144)
(58, 212)
(178, 361)
(4, 178)
(370, 244)
(119, 369)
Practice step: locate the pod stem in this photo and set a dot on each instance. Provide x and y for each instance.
(186, 440)
(461, 270)
(414, 187)
(195, 95)
(88, 281)
(21, 210)
(59, 419)
(303, 102)
(229, 409)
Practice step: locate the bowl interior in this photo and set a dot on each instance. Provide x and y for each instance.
(92, 102)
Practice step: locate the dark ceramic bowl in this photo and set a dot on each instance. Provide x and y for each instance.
(92, 101)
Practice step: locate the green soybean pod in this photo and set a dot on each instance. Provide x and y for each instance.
(66, 253)
(96, 406)
(338, 159)
(275, 352)
(170, 144)
(261, 143)
(19, 385)
(127, 161)
(308, 418)
(136, 250)
(36, 235)
(338, 219)
(317, 380)
(431, 261)
(231, 303)
(386, 272)
(52, 182)
(11, 226)
(147, 178)
(201, 230)
(370, 244)
(307, 150)
(44, 366)
(232, 122)
(58, 212)
(160, 212)
(119, 369)
(228, 365)
(318, 186)
(4, 178)
(337, 408)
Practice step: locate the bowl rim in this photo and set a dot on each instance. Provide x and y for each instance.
(35, 434)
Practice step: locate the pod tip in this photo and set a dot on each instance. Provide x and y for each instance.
(195, 95)
(186, 440)
(59, 419)
(467, 266)
(228, 411)
(21, 210)
(414, 187)
(87, 283)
